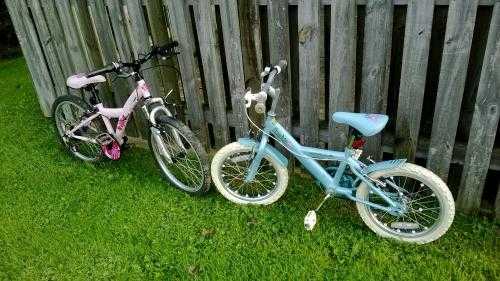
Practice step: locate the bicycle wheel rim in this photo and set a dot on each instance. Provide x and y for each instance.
(61, 113)
(188, 174)
(233, 170)
(424, 205)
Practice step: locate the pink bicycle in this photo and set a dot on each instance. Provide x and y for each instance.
(86, 130)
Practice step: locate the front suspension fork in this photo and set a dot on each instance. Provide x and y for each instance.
(254, 166)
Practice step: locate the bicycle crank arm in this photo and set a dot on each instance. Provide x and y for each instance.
(161, 146)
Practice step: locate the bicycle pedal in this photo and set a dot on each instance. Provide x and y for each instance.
(104, 139)
(310, 220)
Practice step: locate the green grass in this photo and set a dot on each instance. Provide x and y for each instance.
(62, 219)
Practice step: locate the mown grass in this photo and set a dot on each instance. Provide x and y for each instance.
(61, 219)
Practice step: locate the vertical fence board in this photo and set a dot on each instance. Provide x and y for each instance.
(342, 67)
(106, 45)
(33, 53)
(141, 44)
(234, 62)
(458, 40)
(89, 43)
(49, 48)
(279, 49)
(57, 36)
(159, 33)
(309, 70)
(249, 22)
(413, 74)
(204, 12)
(177, 12)
(76, 53)
(484, 123)
(376, 63)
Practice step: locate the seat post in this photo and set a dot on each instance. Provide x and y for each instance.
(94, 98)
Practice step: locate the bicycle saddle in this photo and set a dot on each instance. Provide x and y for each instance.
(367, 124)
(80, 80)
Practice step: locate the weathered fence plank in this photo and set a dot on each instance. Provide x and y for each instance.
(28, 40)
(159, 35)
(76, 53)
(342, 67)
(251, 47)
(250, 42)
(309, 70)
(376, 64)
(484, 123)
(279, 49)
(177, 11)
(106, 44)
(458, 40)
(413, 75)
(57, 36)
(234, 62)
(204, 13)
(140, 42)
(89, 43)
(49, 48)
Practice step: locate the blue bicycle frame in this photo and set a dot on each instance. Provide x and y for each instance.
(306, 155)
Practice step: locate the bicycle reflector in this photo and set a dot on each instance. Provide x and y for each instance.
(358, 143)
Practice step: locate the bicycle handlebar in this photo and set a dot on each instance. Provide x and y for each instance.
(272, 74)
(266, 89)
(164, 51)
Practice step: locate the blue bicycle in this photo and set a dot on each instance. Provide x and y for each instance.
(394, 198)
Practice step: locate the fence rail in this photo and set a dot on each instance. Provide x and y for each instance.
(432, 65)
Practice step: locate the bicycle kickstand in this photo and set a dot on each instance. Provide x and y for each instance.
(311, 218)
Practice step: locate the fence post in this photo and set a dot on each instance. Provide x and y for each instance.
(234, 62)
(76, 53)
(89, 43)
(454, 63)
(342, 68)
(413, 75)
(484, 123)
(204, 12)
(279, 49)
(160, 36)
(309, 70)
(181, 32)
(49, 48)
(376, 64)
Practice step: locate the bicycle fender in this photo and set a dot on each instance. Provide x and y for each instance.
(384, 165)
(268, 150)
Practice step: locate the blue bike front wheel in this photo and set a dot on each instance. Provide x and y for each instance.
(229, 168)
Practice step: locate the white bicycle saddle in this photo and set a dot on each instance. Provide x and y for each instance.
(80, 80)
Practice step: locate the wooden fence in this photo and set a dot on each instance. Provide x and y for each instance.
(432, 65)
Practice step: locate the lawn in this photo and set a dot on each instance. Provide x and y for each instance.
(62, 219)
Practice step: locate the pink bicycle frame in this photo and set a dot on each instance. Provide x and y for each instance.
(122, 114)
